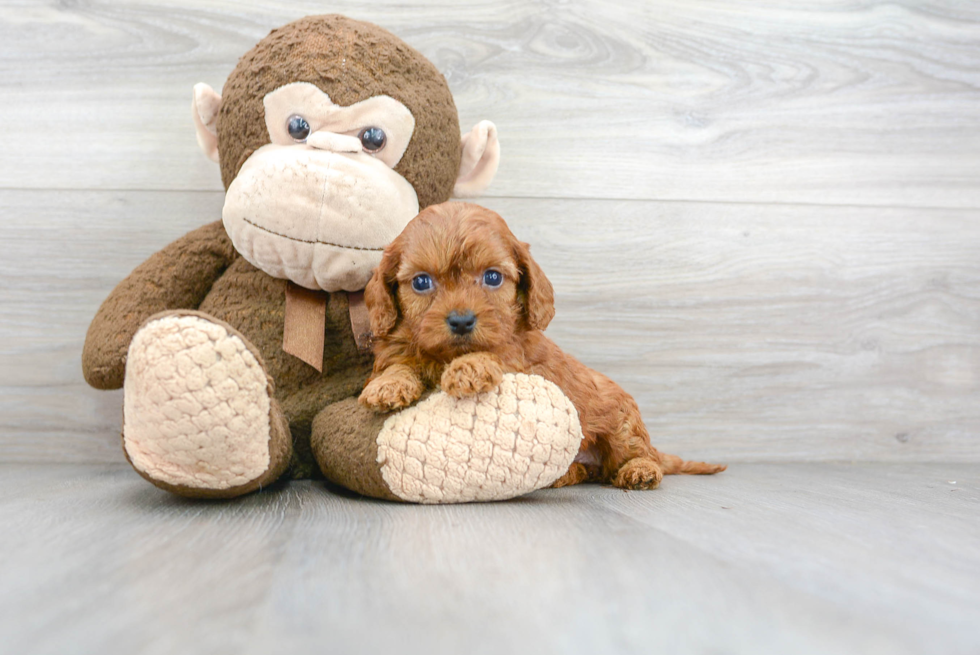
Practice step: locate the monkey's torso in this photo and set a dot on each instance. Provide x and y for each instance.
(254, 303)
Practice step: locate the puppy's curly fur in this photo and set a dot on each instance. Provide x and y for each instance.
(471, 325)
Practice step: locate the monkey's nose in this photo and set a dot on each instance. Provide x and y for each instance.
(323, 140)
(461, 323)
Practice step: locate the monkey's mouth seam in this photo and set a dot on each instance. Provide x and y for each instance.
(314, 241)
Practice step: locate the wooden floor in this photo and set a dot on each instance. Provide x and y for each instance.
(762, 219)
(766, 558)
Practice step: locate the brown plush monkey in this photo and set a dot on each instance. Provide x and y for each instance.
(241, 345)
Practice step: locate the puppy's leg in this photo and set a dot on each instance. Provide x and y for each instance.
(629, 461)
(397, 386)
(577, 473)
(471, 374)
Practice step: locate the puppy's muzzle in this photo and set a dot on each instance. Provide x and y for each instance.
(461, 323)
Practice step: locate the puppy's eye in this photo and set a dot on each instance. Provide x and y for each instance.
(422, 283)
(493, 278)
(373, 139)
(297, 127)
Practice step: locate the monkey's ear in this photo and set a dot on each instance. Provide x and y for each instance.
(204, 107)
(534, 290)
(481, 156)
(379, 294)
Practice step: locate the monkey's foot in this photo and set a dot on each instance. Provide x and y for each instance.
(500, 444)
(198, 416)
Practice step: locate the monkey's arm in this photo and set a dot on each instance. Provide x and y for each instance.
(177, 277)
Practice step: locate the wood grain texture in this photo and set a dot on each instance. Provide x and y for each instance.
(797, 332)
(760, 218)
(849, 102)
(64, 252)
(761, 559)
(746, 332)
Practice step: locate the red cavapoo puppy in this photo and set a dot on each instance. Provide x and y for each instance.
(457, 301)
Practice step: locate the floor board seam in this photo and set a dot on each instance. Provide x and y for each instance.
(687, 201)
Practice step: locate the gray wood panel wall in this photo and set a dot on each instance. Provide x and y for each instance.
(763, 219)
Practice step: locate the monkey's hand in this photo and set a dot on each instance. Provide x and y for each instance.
(397, 386)
(471, 374)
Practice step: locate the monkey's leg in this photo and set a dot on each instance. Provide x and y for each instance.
(504, 443)
(199, 418)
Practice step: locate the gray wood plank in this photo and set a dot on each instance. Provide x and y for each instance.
(850, 102)
(746, 332)
(763, 558)
(64, 252)
(875, 538)
(758, 332)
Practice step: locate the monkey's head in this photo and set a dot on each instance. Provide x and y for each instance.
(331, 135)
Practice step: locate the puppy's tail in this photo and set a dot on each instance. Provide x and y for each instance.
(672, 465)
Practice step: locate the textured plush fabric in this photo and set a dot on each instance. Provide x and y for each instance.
(198, 418)
(343, 454)
(177, 277)
(202, 271)
(197, 405)
(500, 444)
(350, 61)
(317, 219)
(255, 304)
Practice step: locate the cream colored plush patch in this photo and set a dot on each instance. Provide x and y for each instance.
(501, 444)
(196, 405)
(204, 108)
(316, 217)
(319, 211)
(307, 100)
(481, 157)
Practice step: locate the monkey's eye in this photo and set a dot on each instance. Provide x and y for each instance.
(298, 128)
(422, 283)
(492, 278)
(373, 139)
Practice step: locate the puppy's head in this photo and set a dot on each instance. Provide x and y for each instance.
(457, 280)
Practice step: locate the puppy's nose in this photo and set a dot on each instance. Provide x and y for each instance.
(461, 322)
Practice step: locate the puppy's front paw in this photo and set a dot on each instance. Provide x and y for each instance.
(387, 394)
(472, 374)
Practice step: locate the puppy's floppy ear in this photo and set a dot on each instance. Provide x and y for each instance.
(379, 294)
(534, 291)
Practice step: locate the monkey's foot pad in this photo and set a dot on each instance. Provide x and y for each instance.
(196, 405)
(500, 444)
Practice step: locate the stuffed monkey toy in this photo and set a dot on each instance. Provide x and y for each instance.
(242, 346)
